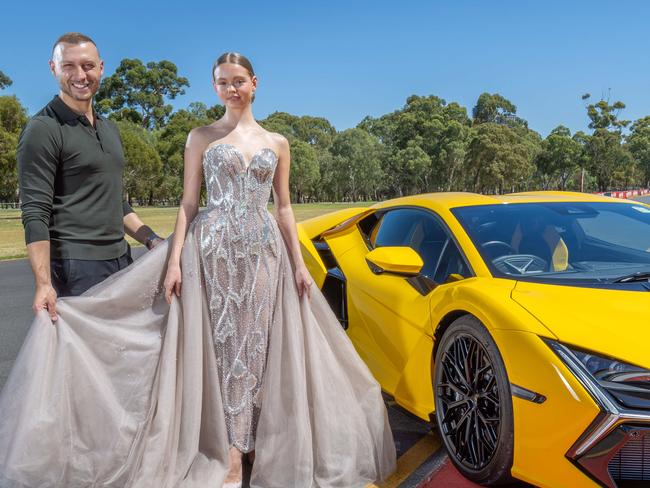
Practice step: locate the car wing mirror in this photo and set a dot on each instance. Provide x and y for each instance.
(399, 260)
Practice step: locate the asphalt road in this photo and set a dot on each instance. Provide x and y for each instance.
(16, 295)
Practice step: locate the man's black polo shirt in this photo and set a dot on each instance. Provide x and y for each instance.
(70, 176)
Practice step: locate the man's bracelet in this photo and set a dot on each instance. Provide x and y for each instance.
(150, 238)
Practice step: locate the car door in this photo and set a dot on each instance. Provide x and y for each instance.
(392, 312)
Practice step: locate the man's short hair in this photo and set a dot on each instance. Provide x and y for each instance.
(73, 38)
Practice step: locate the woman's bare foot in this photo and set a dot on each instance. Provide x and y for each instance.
(234, 475)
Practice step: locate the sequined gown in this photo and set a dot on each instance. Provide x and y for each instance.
(239, 245)
(127, 391)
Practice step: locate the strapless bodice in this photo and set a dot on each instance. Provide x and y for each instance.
(236, 185)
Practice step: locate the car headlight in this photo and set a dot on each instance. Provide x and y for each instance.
(629, 385)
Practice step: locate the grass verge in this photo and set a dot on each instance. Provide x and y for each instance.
(162, 220)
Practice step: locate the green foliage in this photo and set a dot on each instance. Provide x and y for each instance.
(496, 109)
(13, 115)
(5, 81)
(305, 173)
(143, 169)
(8, 174)
(606, 156)
(608, 160)
(170, 144)
(357, 168)
(440, 130)
(638, 143)
(139, 93)
(13, 118)
(605, 116)
(426, 145)
(408, 168)
(501, 158)
(315, 131)
(201, 111)
(559, 159)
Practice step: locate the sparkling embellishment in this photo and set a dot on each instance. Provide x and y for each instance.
(239, 242)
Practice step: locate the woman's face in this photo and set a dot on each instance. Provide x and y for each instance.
(234, 85)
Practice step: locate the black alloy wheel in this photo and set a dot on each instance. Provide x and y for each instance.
(473, 402)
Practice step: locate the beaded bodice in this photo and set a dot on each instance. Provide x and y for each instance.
(234, 184)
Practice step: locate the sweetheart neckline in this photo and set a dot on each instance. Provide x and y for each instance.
(242, 158)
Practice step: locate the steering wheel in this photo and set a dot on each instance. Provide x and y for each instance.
(493, 248)
(520, 264)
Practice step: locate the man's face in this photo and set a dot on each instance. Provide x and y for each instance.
(78, 69)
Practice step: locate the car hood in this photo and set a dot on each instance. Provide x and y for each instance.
(614, 323)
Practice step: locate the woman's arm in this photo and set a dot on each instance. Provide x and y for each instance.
(285, 218)
(192, 179)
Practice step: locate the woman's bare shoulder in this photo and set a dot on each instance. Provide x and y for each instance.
(200, 137)
(279, 141)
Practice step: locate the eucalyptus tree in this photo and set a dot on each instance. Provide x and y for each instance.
(140, 93)
(13, 117)
(5, 81)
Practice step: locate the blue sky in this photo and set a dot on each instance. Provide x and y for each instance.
(345, 60)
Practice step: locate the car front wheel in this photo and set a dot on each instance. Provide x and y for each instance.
(473, 402)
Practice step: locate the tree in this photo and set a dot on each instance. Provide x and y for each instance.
(304, 171)
(315, 131)
(559, 158)
(356, 165)
(607, 158)
(638, 143)
(409, 165)
(8, 175)
(13, 118)
(139, 93)
(605, 116)
(5, 81)
(201, 111)
(439, 129)
(170, 144)
(496, 109)
(143, 168)
(500, 158)
(451, 151)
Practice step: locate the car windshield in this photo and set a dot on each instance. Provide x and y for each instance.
(567, 242)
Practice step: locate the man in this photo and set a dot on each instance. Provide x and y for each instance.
(70, 163)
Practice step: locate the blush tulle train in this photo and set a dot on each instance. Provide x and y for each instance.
(123, 392)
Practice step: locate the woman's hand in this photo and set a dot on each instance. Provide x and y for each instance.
(172, 281)
(304, 281)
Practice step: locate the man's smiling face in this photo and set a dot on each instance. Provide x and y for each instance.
(78, 69)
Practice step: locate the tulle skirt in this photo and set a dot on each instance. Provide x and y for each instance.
(123, 392)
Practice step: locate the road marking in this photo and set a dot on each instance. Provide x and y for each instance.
(410, 460)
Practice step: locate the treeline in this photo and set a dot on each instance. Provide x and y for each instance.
(428, 145)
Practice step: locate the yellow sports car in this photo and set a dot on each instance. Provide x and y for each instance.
(517, 323)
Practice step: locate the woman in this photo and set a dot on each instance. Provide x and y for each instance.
(131, 390)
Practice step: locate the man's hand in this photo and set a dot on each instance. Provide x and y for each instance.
(45, 296)
(45, 299)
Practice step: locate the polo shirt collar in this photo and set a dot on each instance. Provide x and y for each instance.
(65, 113)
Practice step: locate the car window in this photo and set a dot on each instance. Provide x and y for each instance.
(616, 228)
(579, 243)
(451, 262)
(419, 230)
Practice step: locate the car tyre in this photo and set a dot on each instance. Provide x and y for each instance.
(474, 403)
